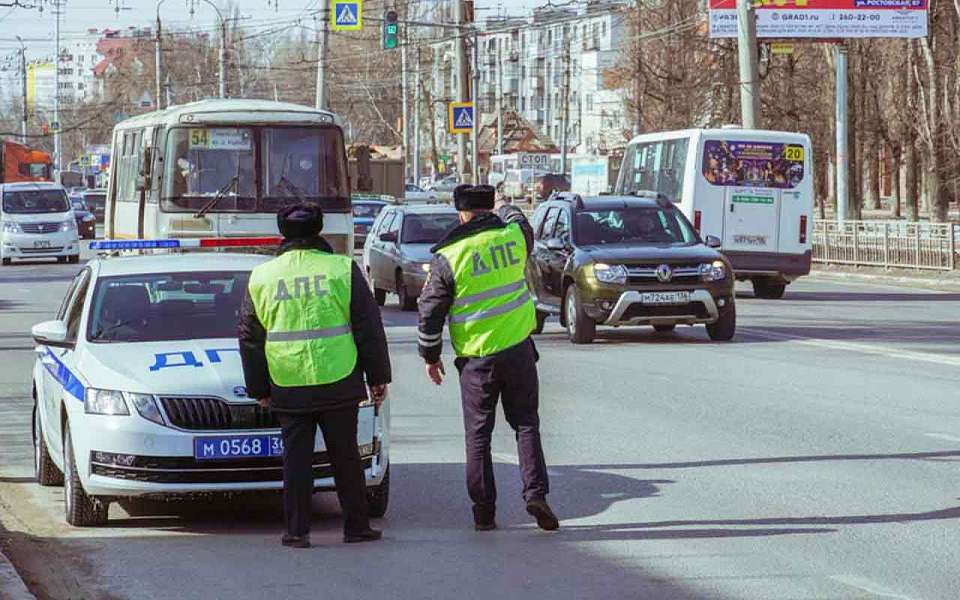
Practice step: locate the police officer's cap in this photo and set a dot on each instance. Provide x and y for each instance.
(300, 220)
(474, 197)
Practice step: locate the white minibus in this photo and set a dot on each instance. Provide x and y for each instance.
(223, 168)
(751, 188)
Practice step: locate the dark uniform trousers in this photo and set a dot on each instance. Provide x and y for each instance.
(511, 376)
(339, 429)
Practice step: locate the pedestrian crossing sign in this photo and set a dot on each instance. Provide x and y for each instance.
(460, 117)
(346, 15)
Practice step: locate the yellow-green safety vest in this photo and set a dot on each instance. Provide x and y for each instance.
(302, 298)
(492, 308)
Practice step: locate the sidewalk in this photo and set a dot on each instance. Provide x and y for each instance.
(948, 281)
(11, 585)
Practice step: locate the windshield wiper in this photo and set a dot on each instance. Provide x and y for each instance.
(221, 193)
(290, 188)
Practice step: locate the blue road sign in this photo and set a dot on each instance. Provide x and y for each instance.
(460, 117)
(346, 15)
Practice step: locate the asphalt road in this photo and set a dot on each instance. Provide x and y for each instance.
(816, 456)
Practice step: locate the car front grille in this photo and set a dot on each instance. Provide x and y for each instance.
(638, 273)
(41, 250)
(207, 414)
(640, 311)
(39, 227)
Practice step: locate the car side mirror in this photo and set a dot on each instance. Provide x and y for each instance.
(556, 244)
(51, 333)
(390, 236)
(713, 241)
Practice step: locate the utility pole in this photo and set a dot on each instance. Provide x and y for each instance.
(499, 96)
(223, 58)
(462, 83)
(158, 59)
(23, 90)
(475, 96)
(56, 92)
(405, 109)
(842, 171)
(320, 101)
(565, 107)
(416, 117)
(747, 52)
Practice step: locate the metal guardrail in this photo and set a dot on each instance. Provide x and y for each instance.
(930, 246)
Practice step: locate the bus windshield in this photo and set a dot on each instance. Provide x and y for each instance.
(752, 164)
(294, 163)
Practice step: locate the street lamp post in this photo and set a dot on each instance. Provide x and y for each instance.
(23, 90)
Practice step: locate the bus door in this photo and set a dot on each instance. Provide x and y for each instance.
(751, 220)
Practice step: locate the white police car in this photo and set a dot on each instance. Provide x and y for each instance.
(139, 388)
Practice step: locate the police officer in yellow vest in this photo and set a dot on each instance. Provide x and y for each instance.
(310, 338)
(476, 282)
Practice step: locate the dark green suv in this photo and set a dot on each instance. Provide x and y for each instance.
(627, 260)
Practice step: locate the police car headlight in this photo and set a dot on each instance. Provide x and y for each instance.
(715, 271)
(104, 402)
(146, 405)
(610, 273)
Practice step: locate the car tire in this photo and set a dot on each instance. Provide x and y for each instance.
(769, 289)
(80, 509)
(407, 302)
(724, 328)
(62, 259)
(379, 497)
(581, 329)
(73, 260)
(6, 262)
(45, 469)
(665, 328)
(541, 321)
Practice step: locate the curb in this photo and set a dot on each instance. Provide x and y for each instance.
(12, 586)
(920, 281)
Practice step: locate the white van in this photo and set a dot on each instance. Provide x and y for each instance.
(36, 221)
(751, 188)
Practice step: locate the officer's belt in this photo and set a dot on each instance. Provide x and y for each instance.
(307, 334)
(498, 310)
(491, 293)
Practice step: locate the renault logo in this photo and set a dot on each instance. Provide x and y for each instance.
(664, 273)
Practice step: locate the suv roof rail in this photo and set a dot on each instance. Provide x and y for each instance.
(661, 198)
(572, 197)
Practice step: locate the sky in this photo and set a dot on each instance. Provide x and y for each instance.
(37, 28)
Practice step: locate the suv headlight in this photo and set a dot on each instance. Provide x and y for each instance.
(610, 273)
(104, 402)
(715, 271)
(11, 227)
(68, 225)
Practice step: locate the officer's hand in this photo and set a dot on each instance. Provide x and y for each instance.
(379, 393)
(264, 402)
(435, 372)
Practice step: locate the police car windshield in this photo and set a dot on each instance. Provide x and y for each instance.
(35, 201)
(161, 307)
(647, 226)
(427, 229)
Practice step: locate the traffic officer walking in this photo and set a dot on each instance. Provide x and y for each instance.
(476, 280)
(310, 333)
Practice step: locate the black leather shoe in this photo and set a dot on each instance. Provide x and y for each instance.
(370, 535)
(540, 510)
(296, 541)
(483, 518)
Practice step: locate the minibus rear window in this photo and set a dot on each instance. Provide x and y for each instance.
(753, 164)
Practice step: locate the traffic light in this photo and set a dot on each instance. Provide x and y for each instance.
(391, 30)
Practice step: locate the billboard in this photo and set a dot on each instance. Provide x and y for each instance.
(830, 19)
(41, 85)
(753, 164)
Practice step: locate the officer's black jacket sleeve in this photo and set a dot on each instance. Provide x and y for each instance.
(372, 354)
(511, 214)
(253, 338)
(434, 304)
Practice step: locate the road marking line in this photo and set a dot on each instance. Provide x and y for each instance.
(854, 347)
(866, 585)
(943, 436)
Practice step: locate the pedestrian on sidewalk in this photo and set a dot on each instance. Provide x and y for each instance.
(476, 279)
(310, 334)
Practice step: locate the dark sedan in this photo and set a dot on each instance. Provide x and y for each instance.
(86, 221)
